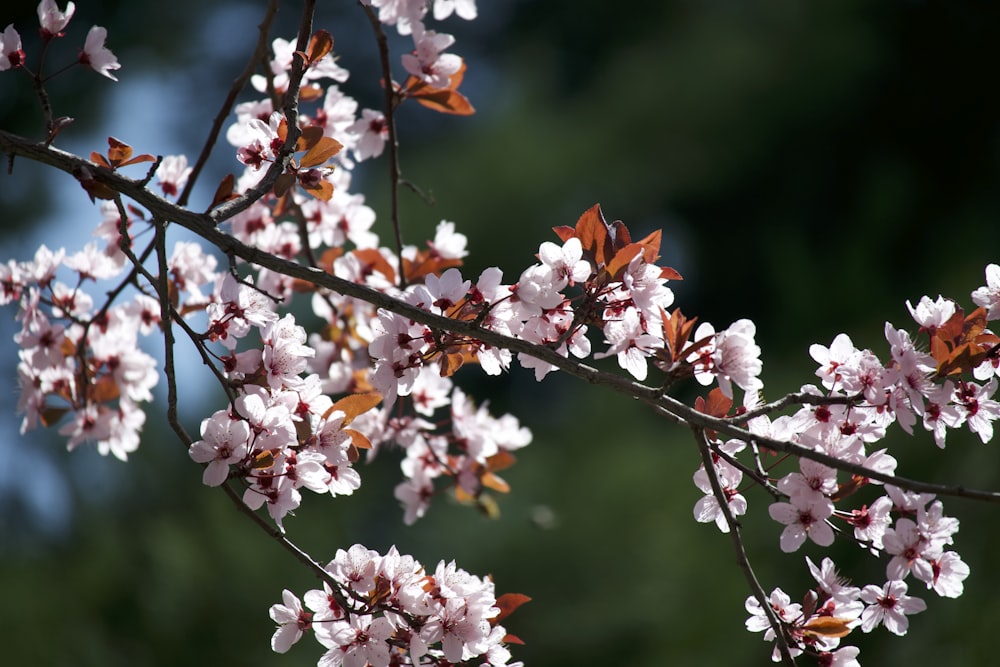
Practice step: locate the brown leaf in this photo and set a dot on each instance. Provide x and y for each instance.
(828, 626)
(321, 151)
(224, 192)
(358, 439)
(354, 405)
(508, 604)
(320, 44)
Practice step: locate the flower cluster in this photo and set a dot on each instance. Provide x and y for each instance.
(949, 386)
(52, 22)
(392, 612)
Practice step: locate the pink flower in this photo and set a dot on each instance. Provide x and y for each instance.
(53, 21)
(889, 606)
(566, 262)
(96, 55)
(989, 296)
(291, 618)
(372, 132)
(173, 174)
(465, 9)
(803, 518)
(224, 441)
(11, 54)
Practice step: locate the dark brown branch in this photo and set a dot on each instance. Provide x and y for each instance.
(204, 225)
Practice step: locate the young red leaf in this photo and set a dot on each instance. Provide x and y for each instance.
(321, 151)
(224, 192)
(592, 231)
(321, 189)
(118, 151)
(372, 260)
(616, 267)
(564, 232)
(354, 405)
(320, 44)
(508, 604)
(358, 439)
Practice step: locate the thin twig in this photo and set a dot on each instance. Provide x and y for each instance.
(741, 554)
(390, 121)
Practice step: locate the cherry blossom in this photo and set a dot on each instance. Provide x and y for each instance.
(889, 606)
(53, 21)
(96, 55)
(11, 54)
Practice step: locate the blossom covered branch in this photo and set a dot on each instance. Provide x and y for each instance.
(302, 406)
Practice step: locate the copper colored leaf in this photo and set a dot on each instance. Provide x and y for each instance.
(308, 138)
(651, 246)
(512, 639)
(105, 389)
(321, 151)
(354, 405)
(592, 231)
(828, 626)
(616, 267)
(145, 157)
(118, 151)
(322, 189)
(320, 44)
(283, 184)
(100, 160)
(491, 481)
(224, 192)
(310, 93)
(670, 274)
(358, 439)
(372, 259)
(451, 362)
(500, 461)
(564, 232)
(447, 101)
(508, 604)
(718, 404)
(49, 416)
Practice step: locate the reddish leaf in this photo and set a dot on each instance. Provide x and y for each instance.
(322, 189)
(670, 274)
(320, 44)
(309, 137)
(564, 232)
(224, 192)
(118, 151)
(358, 439)
(445, 100)
(616, 267)
(100, 160)
(491, 481)
(718, 404)
(512, 639)
(508, 604)
(828, 626)
(651, 246)
(500, 461)
(372, 260)
(592, 231)
(283, 184)
(354, 405)
(321, 151)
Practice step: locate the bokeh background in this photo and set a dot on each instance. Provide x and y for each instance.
(813, 166)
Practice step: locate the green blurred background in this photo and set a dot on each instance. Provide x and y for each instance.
(812, 164)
